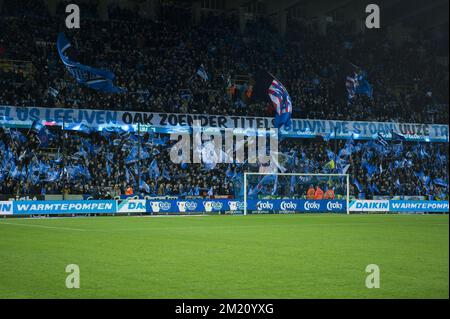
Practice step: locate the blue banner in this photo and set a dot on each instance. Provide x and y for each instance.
(64, 207)
(418, 206)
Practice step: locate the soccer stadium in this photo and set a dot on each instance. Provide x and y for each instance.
(213, 149)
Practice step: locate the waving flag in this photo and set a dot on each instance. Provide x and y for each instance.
(355, 81)
(153, 169)
(100, 80)
(275, 186)
(268, 88)
(44, 137)
(440, 182)
(201, 72)
(144, 186)
(397, 138)
(358, 185)
(350, 72)
(166, 175)
(382, 141)
(282, 102)
(132, 156)
(52, 175)
(108, 169)
(17, 136)
(363, 86)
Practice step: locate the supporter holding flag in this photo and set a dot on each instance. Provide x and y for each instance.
(43, 134)
(269, 89)
(355, 81)
(349, 72)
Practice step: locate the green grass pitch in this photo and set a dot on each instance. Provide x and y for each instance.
(270, 256)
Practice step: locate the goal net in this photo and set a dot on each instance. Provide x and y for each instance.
(295, 193)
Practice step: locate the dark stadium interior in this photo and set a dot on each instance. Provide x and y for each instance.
(155, 47)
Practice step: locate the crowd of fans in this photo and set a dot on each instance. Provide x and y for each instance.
(112, 162)
(88, 163)
(156, 62)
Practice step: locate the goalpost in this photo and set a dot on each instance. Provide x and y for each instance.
(287, 192)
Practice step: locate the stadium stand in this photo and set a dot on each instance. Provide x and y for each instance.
(77, 163)
(157, 62)
(160, 58)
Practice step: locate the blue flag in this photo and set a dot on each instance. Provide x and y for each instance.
(202, 73)
(52, 175)
(397, 138)
(154, 169)
(44, 137)
(363, 86)
(17, 136)
(108, 169)
(351, 80)
(132, 156)
(144, 186)
(358, 185)
(100, 80)
(440, 182)
(275, 186)
(166, 175)
(382, 141)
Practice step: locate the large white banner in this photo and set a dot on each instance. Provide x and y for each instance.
(169, 123)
